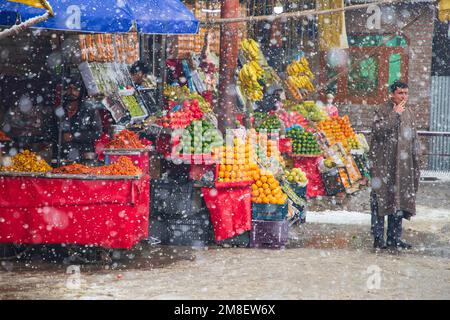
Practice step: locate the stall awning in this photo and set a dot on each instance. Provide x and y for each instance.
(109, 16)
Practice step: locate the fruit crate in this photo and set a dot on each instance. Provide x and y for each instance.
(269, 234)
(171, 199)
(362, 163)
(192, 231)
(273, 212)
(332, 182)
(196, 232)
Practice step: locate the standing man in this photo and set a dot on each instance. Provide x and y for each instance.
(394, 168)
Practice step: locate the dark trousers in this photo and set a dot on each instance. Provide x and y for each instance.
(394, 226)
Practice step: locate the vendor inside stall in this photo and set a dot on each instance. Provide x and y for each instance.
(77, 124)
(139, 72)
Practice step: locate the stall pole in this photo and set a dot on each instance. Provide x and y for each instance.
(228, 64)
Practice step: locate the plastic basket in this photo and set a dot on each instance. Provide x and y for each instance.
(274, 212)
(194, 231)
(190, 232)
(269, 234)
(171, 199)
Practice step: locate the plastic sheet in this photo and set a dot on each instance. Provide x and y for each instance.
(107, 213)
(230, 210)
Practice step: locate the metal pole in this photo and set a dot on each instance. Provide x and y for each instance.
(228, 64)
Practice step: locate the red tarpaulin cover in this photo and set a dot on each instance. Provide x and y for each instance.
(107, 213)
(230, 210)
(310, 165)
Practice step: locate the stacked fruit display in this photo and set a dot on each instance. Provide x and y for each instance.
(296, 175)
(176, 93)
(25, 161)
(237, 162)
(270, 124)
(200, 137)
(202, 103)
(353, 143)
(267, 189)
(292, 118)
(249, 75)
(268, 147)
(303, 142)
(250, 49)
(181, 118)
(310, 111)
(338, 129)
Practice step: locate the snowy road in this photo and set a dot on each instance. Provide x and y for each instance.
(330, 257)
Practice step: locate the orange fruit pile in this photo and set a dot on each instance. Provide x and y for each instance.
(337, 129)
(237, 162)
(267, 189)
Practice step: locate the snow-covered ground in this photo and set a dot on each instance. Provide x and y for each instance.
(424, 214)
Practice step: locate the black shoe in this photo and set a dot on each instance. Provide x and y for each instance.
(379, 244)
(399, 245)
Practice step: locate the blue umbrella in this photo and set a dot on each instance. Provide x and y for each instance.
(110, 16)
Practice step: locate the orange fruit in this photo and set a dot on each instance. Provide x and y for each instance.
(264, 179)
(265, 186)
(267, 191)
(274, 185)
(254, 187)
(271, 180)
(259, 183)
(255, 193)
(228, 167)
(221, 174)
(261, 190)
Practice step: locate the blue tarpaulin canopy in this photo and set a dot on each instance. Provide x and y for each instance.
(109, 16)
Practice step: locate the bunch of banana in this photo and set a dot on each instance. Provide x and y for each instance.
(301, 82)
(293, 90)
(300, 67)
(251, 49)
(249, 75)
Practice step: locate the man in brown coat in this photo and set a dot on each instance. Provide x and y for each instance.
(394, 168)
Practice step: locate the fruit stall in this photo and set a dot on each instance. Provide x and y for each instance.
(173, 176)
(104, 206)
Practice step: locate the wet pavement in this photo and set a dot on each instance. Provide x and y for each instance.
(329, 257)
